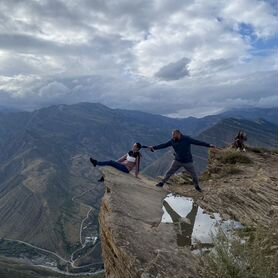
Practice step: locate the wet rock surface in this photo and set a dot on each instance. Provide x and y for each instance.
(193, 226)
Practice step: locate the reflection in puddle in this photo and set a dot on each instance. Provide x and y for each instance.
(192, 225)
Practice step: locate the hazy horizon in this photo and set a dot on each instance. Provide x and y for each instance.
(246, 108)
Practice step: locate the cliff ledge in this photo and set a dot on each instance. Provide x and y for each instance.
(134, 242)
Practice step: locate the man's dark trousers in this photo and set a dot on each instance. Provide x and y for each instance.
(188, 166)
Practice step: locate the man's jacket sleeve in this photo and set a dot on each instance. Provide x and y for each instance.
(163, 146)
(199, 143)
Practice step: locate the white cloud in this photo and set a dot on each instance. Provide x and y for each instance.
(54, 89)
(259, 14)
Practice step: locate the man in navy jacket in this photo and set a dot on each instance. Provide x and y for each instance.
(183, 157)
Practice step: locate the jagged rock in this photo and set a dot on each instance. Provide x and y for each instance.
(274, 247)
(273, 211)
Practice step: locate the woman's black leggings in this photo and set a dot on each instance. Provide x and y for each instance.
(114, 164)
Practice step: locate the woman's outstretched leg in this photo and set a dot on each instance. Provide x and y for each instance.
(111, 163)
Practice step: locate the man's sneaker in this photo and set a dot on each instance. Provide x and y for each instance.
(198, 188)
(93, 161)
(101, 179)
(160, 184)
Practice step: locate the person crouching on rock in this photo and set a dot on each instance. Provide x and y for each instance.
(183, 157)
(124, 164)
(239, 141)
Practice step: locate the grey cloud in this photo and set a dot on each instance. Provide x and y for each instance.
(82, 15)
(39, 12)
(15, 65)
(174, 71)
(219, 64)
(137, 14)
(31, 44)
(26, 43)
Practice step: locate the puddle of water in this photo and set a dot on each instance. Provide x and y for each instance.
(192, 225)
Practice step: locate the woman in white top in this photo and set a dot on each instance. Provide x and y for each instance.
(126, 163)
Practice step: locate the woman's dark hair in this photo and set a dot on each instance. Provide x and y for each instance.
(135, 154)
(139, 146)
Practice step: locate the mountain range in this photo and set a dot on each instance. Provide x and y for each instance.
(48, 187)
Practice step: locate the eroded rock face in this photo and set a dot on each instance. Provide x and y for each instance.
(134, 242)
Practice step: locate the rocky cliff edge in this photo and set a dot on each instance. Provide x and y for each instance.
(241, 186)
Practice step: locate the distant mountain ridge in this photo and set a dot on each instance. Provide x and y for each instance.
(194, 126)
(268, 114)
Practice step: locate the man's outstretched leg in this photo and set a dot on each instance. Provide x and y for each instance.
(189, 167)
(175, 166)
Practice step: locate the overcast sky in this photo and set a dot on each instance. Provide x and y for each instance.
(177, 58)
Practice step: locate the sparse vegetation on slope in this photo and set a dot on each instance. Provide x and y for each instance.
(262, 150)
(254, 254)
(233, 157)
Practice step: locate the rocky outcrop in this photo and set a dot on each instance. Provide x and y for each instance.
(135, 243)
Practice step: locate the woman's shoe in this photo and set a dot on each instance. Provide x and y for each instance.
(101, 179)
(93, 161)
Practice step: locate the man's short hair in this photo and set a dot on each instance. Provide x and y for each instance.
(176, 131)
